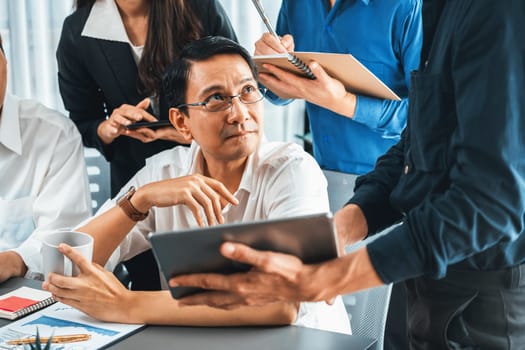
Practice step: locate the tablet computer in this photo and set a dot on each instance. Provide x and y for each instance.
(151, 125)
(312, 238)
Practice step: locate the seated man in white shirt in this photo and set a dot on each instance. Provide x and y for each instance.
(43, 180)
(227, 175)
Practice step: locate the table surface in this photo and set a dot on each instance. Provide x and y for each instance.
(227, 338)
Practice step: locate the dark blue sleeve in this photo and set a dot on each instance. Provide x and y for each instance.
(484, 203)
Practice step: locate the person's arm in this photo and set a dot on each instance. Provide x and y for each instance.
(483, 205)
(372, 195)
(329, 93)
(197, 192)
(279, 278)
(12, 265)
(64, 198)
(98, 293)
(391, 115)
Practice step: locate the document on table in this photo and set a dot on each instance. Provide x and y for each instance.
(60, 319)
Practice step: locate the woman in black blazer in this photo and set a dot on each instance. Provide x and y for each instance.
(105, 83)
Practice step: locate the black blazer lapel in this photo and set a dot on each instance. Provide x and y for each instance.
(123, 67)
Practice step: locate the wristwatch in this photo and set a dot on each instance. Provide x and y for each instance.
(125, 204)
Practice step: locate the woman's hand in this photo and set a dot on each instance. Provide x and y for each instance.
(167, 133)
(123, 116)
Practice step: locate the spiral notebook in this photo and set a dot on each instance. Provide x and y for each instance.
(23, 301)
(343, 67)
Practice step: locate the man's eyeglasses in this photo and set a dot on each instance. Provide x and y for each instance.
(217, 102)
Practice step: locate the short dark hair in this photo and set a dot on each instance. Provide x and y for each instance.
(175, 78)
(1, 47)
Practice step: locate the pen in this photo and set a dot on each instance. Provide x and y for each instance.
(292, 58)
(72, 338)
(264, 18)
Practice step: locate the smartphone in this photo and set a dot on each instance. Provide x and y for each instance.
(151, 125)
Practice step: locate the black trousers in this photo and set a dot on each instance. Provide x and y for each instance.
(468, 310)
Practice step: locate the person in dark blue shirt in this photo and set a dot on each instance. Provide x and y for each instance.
(456, 181)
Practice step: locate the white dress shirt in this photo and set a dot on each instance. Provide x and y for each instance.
(43, 180)
(280, 180)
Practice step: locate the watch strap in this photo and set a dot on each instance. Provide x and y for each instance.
(124, 203)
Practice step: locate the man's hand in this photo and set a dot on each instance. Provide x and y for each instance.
(196, 191)
(11, 265)
(279, 277)
(95, 291)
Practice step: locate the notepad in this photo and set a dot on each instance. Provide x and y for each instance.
(343, 67)
(23, 301)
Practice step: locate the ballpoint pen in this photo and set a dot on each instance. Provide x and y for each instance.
(292, 58)
(71, 338)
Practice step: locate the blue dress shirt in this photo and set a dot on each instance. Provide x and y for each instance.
(386, 37)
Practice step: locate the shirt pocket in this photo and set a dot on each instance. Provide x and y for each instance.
(16, 221)
(431, 115)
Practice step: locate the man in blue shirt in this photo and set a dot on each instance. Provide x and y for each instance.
(456, 180)
(349, 131)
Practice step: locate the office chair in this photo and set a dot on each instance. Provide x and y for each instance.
(340, 188)
(98, 176)
(368, 310)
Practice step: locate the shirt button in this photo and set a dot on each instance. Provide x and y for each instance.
(406, 169)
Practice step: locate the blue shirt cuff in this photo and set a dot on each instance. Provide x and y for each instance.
(367, 110)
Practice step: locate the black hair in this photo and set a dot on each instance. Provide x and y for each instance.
(171, 25)
(1, 47)
(175, 78)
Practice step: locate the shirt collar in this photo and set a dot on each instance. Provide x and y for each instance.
(197, 166)
(10, 135)
(104, 22)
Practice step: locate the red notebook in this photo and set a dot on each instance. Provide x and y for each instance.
(23, 301)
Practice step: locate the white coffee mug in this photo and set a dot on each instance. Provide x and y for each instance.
(54, 261)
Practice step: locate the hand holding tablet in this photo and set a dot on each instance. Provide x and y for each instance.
(311, 238)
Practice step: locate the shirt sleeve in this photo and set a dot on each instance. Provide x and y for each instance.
(292, 193)
(484, 204)
(64, 198)
(391, 115)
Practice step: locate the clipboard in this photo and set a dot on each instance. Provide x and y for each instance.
(343, 67)
(312, 238)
